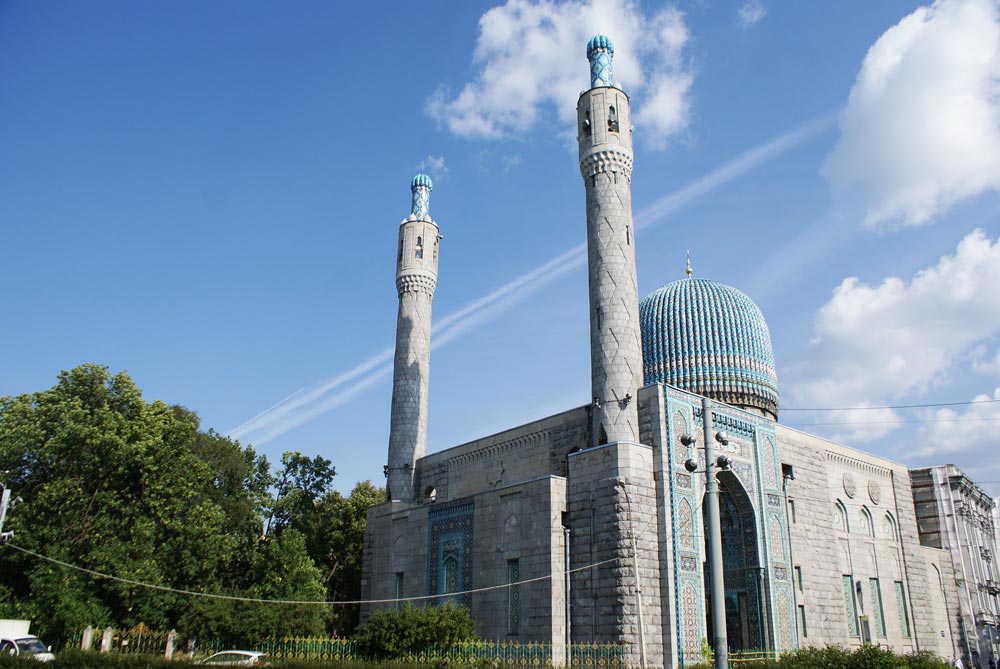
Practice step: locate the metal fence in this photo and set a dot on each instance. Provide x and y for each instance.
(138, 640)
(326, 650)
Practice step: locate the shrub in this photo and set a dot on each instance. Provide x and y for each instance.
(390, 633)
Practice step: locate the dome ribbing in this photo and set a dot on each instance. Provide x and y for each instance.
(711, 339)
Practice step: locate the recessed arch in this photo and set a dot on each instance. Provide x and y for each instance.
(865, 522)
(840, 520)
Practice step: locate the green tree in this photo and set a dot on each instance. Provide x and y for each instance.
(117, 485)
(300, 483)
(336, 544)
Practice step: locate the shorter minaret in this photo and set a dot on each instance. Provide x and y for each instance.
(416, 278)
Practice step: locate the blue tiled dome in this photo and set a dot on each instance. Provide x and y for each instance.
(710, 339)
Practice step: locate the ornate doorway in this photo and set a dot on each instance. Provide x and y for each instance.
(741, 567)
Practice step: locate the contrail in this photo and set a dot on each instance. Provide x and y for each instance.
(302, 406)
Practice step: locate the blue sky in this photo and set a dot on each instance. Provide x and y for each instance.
(207, 195)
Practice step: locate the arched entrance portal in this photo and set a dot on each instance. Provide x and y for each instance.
(741, 567)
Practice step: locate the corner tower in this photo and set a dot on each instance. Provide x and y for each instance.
(416, 278)
(604, 121)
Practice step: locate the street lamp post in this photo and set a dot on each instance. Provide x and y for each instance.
(717, 588)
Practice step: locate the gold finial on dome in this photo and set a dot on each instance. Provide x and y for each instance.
(688, 270)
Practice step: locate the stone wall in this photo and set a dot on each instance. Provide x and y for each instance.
(854, 516)
(612, 501)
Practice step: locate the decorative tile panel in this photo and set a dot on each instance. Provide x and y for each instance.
(449, 555)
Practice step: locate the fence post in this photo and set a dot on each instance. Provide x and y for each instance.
(106, 640)
(87, 639)
(169, 652)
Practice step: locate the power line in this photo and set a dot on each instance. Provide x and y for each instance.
(896, 406)
(898, 422)
(253, 600)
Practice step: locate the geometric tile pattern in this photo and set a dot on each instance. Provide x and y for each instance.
(711, 339)
(600, 51)
(421, 188)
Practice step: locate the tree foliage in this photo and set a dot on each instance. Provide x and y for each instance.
(117, 485)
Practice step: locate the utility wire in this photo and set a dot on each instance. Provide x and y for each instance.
(896, 406)
(898, 422)
(254, 600)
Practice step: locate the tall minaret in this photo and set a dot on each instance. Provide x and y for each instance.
(416, 277)
(605, 140)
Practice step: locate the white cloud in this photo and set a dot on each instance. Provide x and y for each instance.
(750, 13)
(531, 56)
(921, 129)
(435, 167)
(966, 432)
(865, 422)
(873, 344)
(983, 363)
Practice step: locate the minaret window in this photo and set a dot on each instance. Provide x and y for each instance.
(420, 248)
(612, 119)
(400, 258)
(586, 123)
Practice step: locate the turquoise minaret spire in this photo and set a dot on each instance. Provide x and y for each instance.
(600, 51)
(416, 279)
(421, 188)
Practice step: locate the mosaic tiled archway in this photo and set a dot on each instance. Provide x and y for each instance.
(741, 565)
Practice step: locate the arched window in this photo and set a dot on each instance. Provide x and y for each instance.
(612, 119)
(889, 527)
(420, 247)
(865, 518)
(586, 124)
(839, 517)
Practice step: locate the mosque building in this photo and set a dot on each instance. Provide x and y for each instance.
(589, 526)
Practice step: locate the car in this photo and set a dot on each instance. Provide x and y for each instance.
(28, 646)
(236, 657)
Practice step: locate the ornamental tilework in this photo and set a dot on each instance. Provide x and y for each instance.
(449, 558)
(711, 339)
(685, 525)
(767, 464)
(745, 472)
(600, 51)
(691, 609)
(774, 531)
(784, 620)
(421, 188)
(754, 617)
(681, 452)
